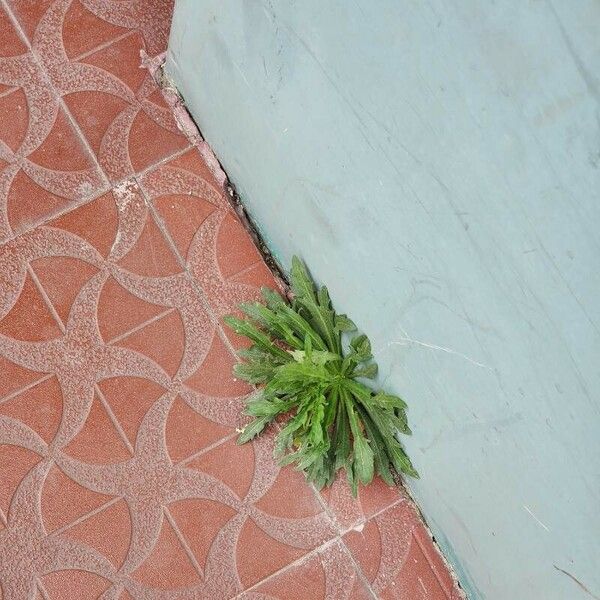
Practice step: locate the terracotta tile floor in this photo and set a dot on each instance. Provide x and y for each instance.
(119, 254)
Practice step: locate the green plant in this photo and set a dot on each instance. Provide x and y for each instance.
(306, 372)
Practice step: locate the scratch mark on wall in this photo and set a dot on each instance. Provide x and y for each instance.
(407, 341)
(583, 587)
(535, 518)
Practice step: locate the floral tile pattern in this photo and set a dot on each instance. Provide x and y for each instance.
(120, 477)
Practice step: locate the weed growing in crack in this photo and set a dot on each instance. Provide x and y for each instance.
(307, 374)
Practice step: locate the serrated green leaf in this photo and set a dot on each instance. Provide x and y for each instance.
(252, 429)
(323, 298)
(362, 347)
(389, 401)
(341, 440)
(322, 323)
(369, 371)
(400, 422)
(331, 407)
(293, 377)
(254, 372)
(344, 324)
(272, 298)
(302, 284)
(250, 331)
(363, 460)
(399, 458)
(382, 461)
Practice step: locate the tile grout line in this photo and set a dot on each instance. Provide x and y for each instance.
(341, 532)
(42, 590)
(108, 188)
(103, 45)
(299, 561)
(86, 516)
(358, 568)
(183, 542)
(9, 91)
(113, 419)
(73, 205)
(141, 326)
(359, 572)
(46, 299)
(24, 389)
(431, 566)
(246, 269)
(184, 461)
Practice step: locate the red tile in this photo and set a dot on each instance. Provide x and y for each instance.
(28, 203)
(230, 463)
(290, 497)
(58, 172)
(108, 531)
(260, 555)
(90, 23)
(95, 222)
(10, 42)
(39, 407)
(151, 256)
(130, 398)
(193, 162)
(74, 585)
(98, 441)
(235, 248)
(15, 377)
(15, 463)
(154, 134)
(14, 116)
(200, 522)
(432, 555)
(182, 216)
(391, 556)
(162, 340)
(121, 59)
(125, 118)
(350, 511)
(215, 377)
(285, 521)
(119, 311)
(329, 573)
(188, 432)
(62, 279)
(81, 30)
(185, 193)
(29, 13)
(61, 150)
(168, 566)
(30, 319)
(269, 541)
(64, 500)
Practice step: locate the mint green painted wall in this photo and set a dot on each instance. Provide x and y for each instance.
(437, 164)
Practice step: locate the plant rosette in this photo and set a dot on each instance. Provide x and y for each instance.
(306, 372)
